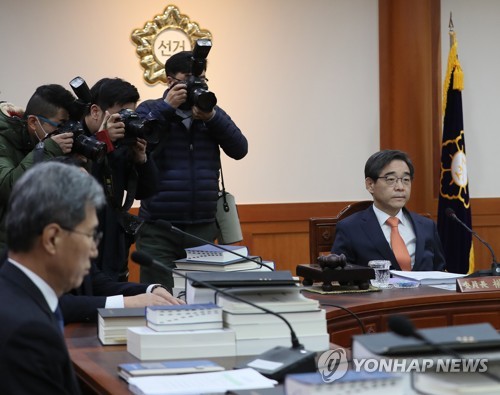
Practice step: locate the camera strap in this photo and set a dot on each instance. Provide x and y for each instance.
(131, 188)
(225, 204)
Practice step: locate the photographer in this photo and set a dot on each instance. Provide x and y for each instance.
(25, 138)
(125, 171)
(188, 160)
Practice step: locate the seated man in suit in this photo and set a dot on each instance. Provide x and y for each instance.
(51, 222)
(387, 230)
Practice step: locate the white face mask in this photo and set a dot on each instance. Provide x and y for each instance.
(43, 130)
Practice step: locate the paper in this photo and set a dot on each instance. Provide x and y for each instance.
(428, 277)
(196, 383)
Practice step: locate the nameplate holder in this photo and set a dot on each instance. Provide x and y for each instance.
(478, 284)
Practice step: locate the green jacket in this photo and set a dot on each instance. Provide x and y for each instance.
(16, 156)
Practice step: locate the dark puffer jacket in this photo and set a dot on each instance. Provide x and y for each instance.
(188, 162)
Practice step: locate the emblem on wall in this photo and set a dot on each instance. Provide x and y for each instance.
(162, 37)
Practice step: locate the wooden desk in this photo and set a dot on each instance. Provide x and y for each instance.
(425, 306)
(96, 365)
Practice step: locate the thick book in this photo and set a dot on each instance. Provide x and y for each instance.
(388, 344)
(457, 383)
(278, 302)
(316, 343)
(185, 327)
(112, 323)
(146, 344)
(127, 370)
(210, 253)
(184, 314)
(265, 318)
(373, 383)
(211, 266)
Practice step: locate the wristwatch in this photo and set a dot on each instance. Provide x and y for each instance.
(159, 286)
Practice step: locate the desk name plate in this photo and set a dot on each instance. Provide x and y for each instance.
(480, 284)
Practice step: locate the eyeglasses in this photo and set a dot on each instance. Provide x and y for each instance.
(202, 79)
(96, 235)
(50, 122)
(391, 180)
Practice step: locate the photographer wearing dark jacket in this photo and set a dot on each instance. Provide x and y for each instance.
(188, 160)
(126, 173)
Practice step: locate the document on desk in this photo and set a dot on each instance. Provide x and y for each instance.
(200, 383)
(428, 277)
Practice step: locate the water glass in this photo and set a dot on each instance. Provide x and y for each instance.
(382, 273)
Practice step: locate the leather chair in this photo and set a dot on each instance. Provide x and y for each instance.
(322, 229)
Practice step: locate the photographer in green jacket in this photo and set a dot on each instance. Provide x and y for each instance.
(25, 137)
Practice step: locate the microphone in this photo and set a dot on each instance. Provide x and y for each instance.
(170, 228)
(290, 360)
(402, 326)
(495, 267)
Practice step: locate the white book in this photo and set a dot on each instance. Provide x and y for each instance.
(185, 327)
(279, 302)
(265, 318)
(373, 383)
(197, 383)
(184, 313)
(147, 344)
(277, 328)
(210, 253)
(317, 343)
(457, 383)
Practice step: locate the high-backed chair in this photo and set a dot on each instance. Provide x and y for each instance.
(322, 229)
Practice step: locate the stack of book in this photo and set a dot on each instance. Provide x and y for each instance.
(112, 324)
(181, 331)
(257, 331)
(210, 258)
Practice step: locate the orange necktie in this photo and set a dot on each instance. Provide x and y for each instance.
(398, 245)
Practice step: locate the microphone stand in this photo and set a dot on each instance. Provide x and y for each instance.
(495, 266)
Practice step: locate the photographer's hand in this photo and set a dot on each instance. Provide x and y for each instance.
(139, 151)
(64, 141)
(115, 127)
(176, 95)
(204, 116)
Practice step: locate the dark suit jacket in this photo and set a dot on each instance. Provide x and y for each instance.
(33, 354)
(81, 304)
(360, 238)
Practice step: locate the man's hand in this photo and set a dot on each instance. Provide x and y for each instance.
(114, 126)
(157, 298)
(204, 116)
(139, 151)
(176, 95)
(64, 140)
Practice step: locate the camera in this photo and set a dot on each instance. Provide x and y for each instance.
(136, 127)
(83, 144)
(197, 90)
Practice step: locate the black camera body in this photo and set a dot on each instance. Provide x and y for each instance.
(197, 90)
(137, 127)
(83, 144)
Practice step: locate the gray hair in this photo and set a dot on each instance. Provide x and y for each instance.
(49, 192)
